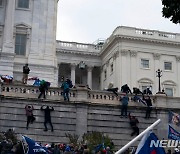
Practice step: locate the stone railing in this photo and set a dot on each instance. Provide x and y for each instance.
(130, 31)
(83, 95)
(60, 45)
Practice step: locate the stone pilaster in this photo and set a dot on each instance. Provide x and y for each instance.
(8, 45)
(73, 67)
(89, 76)
(7, 54)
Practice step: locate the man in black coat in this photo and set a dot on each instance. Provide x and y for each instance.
(47, 116)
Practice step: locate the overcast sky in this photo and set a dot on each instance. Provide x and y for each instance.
(85, 21)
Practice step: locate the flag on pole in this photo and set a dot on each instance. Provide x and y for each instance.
(34, 147)
(145, 146)
(174, 118)
(173, 134)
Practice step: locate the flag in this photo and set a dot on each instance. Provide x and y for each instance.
(173, 134)
(34, 147)
(144, 145)
(174, 118)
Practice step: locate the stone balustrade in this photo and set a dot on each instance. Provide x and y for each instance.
(78, 46)
(81, 94)
(130, 31)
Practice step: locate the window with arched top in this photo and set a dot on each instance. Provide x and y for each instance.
(145, 83)
(169, 87)
(21, 34)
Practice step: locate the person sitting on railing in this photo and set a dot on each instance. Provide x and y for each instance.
(125, 89)
(65, 87)
(133, 122)
(136, 91)
(43, 88)
(29, 113)
(114, 90)
(47, 116)
(148, 102)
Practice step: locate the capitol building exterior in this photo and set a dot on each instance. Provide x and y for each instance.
(130, 55)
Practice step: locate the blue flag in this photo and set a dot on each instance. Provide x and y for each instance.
(173, 134)
(145, 146)
(34, 147)
(174, 118)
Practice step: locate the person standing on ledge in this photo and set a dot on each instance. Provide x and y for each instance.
(47, 116)
(26, 71)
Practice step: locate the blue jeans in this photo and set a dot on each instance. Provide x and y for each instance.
(66, 94)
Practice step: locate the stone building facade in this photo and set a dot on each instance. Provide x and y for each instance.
(129, 55)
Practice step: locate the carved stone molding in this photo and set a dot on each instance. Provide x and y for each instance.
(89, 68)
(178, 58)
(124, 52)
(133, 53)
(156, 56)
(73, 66)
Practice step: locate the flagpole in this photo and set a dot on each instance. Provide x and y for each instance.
(138, 137)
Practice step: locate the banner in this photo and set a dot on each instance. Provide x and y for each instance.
(34, 147)
(174, 118)
(173, 134)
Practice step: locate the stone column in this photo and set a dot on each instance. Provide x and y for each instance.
(89, 76)
(7, 54)
(8, 45)
(73, 78)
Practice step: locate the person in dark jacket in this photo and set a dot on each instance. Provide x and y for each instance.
(47, 116)
(133, 123)
(43, 88)
(26, 71)
(29, 113)
(124, 106)
(147, 91)
(148, 102)
(125, 89)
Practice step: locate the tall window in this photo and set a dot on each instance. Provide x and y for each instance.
(169, 91)
(105, 74)
(112, 68)
(145, 63)
(1, 2)
(23, 4)
(168, 66)
(20, 44)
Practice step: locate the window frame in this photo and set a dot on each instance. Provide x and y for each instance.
(105, 74)
(142, 65)
(165, 66)
(112, 68)
(1, 3)
(23, 8)
(169, 88)
(20, 44)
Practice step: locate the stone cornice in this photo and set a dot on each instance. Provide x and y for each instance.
(76, 52)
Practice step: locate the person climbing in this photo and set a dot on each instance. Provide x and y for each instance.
(47, 116)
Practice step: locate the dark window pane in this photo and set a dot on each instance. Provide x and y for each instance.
(20, 45)
(23, 3)
(1, 2)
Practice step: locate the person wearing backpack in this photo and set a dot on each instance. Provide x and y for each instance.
(65, 87)
(43, 88)
(26, 71)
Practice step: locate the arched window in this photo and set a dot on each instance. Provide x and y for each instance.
(169, 87)
(145, 83)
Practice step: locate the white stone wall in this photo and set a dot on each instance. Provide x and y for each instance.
(126, 52)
